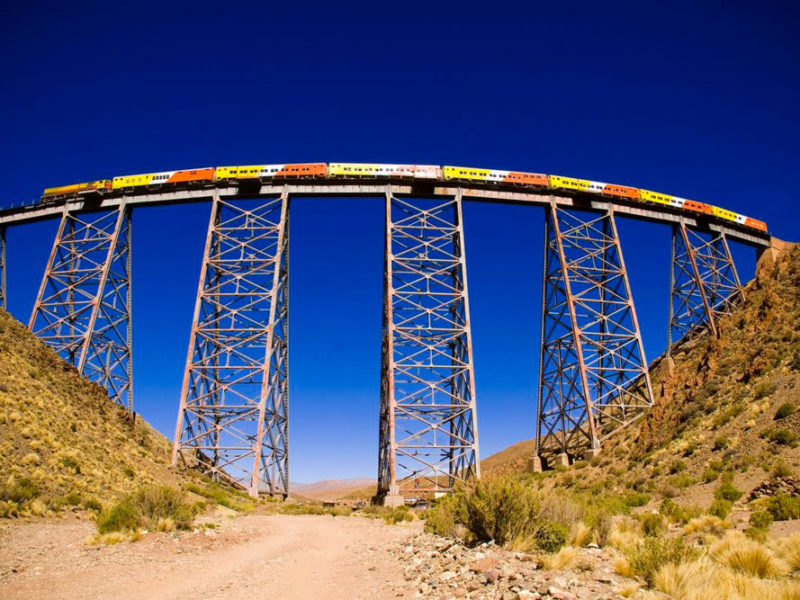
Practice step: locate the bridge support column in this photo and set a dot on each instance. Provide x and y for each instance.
(704, 284)
(428, 420)
(233, 416)
(83, 308)
(3, 293)
(593, 377)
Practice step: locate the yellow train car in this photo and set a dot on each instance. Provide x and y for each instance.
(728, 215)
(461, 173)
(77, 189)
(664, 199)
(132, 181)
(569, 183)
(370, 170)
(240, 172)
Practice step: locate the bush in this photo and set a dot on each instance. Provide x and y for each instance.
(710, 475)
(20, 491)
(786, 409)
(720, 508)
(784, 507)
(727, 491)
(652, 524)
(761, 519)
(781, 469)
(721, 443)
(550, 537)
(500, 509)
(398, 515)
(783, 437)
(647, 558)
(144, 509)
(636, 499)
(677, 466)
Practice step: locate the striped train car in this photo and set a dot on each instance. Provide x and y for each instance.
(164, 178)
(263, 172)
(495, 176)
(387, 171)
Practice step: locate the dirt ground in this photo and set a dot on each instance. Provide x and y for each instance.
(254, 556)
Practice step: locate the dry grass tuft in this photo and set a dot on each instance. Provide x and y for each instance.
(622, 566)
(707, 524)
(744, 555)
(165, 525)
(788, 549)
(564, 559)
(625, 534)
(580, 534)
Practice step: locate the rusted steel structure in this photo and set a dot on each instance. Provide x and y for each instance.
(428, 421)
(83, 308)
(704, 283)
(593, 376)
(233, 413)
(233, 416)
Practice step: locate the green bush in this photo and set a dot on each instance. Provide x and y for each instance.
(20, 491)
(783, 437)
(550, 537)
(144, 508)
(636, 499)
(677, 466)
(786, 409)
(720, 508)
(781, 469)
(398, 515)
(721, 443)
(681, 481)
(223, 496)
(710, 475)
(653, 524)
(784, 507)
(763, 389)
(761, 519)
(648, 557)
(727, 491)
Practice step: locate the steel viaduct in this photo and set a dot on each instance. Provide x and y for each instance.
(233, 412)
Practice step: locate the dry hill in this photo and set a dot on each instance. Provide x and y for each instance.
(63, 442)
(726, 405)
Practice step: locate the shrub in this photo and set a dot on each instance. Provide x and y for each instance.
(223, 496)
(682, 481)
(784, 507)
(786, 409)
(727, 491)
(677, 466)
(710, 475)
(144, 508)
(647, 558)
(720, 508)
(398, 515)
(550, 537)
(788, 548)
(761, 519)
(783, 437)
(20, 491)
(721, 443)
(707, 524)
(763, 389)
(636, 499)
(781, 469)
(652, 524)
(746, 556)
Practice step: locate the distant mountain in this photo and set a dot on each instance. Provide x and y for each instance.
(332, 489)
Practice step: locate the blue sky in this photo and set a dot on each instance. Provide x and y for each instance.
(695, 99)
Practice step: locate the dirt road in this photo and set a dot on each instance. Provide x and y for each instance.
(255, 556)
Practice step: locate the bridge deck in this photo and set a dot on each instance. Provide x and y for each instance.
(474, 192)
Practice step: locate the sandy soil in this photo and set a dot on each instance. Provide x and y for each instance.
(255, 556)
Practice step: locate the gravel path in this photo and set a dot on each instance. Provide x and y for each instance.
(255, 556)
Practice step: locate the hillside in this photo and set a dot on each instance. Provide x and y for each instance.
(332, 489)
(725, 405)
(63, 442)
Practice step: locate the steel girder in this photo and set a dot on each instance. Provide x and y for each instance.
(83, 308)
(428, 420)
(233, 415)
(593, 377)
(704, 284)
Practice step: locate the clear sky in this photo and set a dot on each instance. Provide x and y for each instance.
(696, 99)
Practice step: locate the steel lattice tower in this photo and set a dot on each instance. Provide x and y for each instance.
(593, 377)
(704, 284)
(83, 308)
(233, 416)
(428, 421)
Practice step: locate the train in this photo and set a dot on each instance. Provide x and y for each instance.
(242, 174)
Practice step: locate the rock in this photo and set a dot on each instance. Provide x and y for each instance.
(560, 594)
(446, 576)
(508, 571)
(459, 593)
(492, 575)
(526, 595)
(483, 565)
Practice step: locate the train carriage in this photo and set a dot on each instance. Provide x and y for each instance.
(76, 189)
(497, 176)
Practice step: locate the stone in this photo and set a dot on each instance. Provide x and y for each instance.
(446, 576)
(483, 565)
(492, 575)
(560, 594)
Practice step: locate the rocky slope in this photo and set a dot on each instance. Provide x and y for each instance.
(63, 442)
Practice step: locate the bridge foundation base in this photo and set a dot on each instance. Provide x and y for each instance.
(390, 500)
(535, 465)
(561, 460)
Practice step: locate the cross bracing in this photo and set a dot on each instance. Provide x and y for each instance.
(83, 308)
(233, 418)
(593, 377)
(704, 283)
(428, 429)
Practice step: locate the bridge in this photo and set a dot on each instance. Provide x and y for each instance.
(233, 412)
